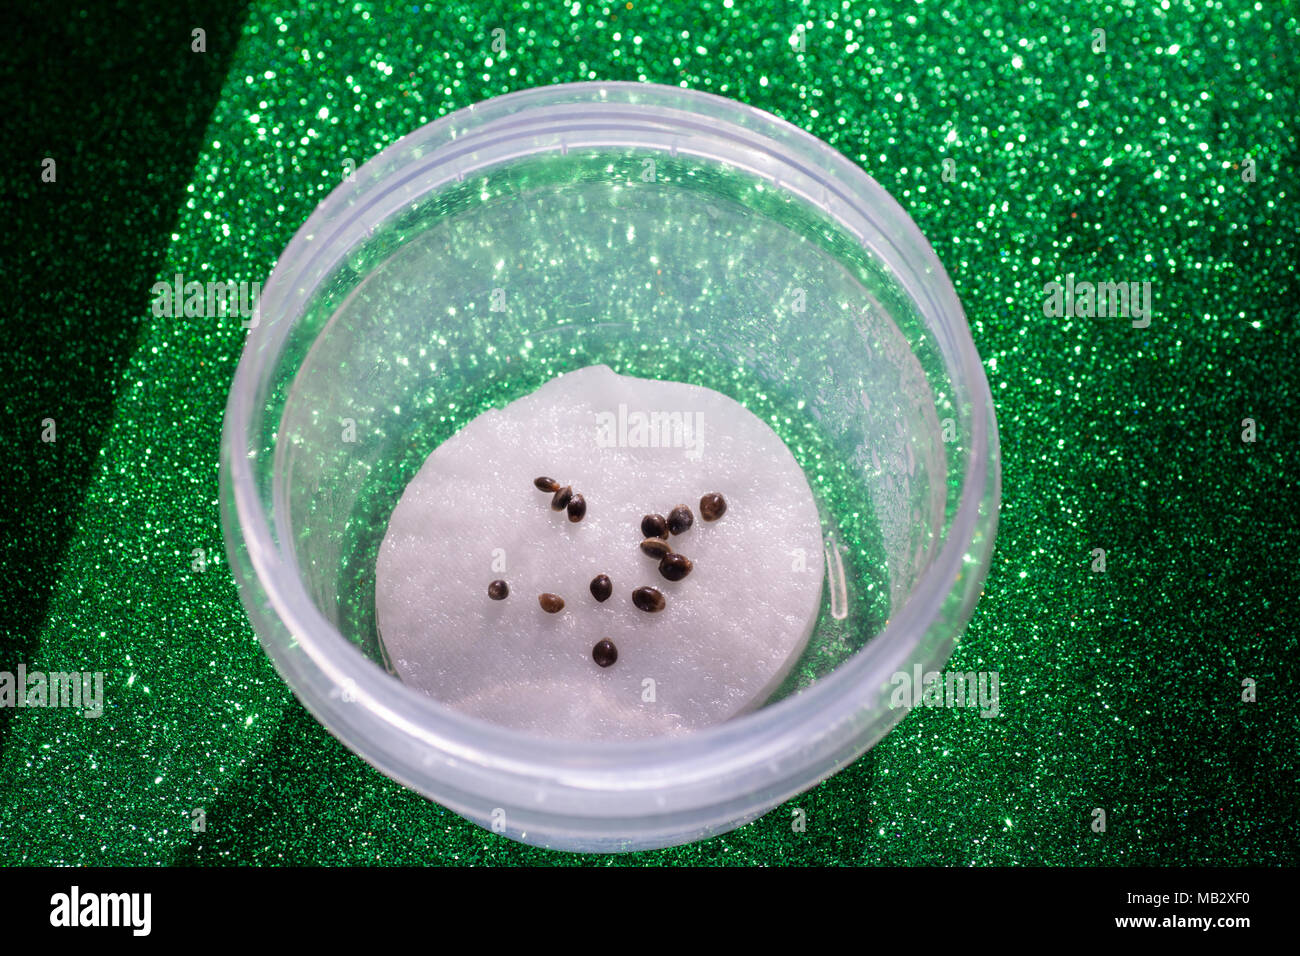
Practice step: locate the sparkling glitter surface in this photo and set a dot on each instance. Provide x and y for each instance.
(1027, 147)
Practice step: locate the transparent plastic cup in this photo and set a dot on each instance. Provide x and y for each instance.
(638, 226)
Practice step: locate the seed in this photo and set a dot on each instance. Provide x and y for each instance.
(713, 506)
(498, 590)
(601, 587)
(656, 547)
(679, 519)
(551, 603)
(675, 566)
(577, 508)
(648, 599)
(654, 526)
(561, 498)
(604, 653)
(546, 484)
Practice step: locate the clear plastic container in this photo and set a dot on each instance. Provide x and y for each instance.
(639, 226)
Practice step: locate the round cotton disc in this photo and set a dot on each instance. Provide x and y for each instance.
(729, 631)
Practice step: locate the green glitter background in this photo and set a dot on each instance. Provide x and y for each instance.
(1119, 690)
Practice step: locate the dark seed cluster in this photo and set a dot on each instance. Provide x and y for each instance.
(655, 531)
(563, 498)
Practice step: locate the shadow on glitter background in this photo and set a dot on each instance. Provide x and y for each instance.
(122, 105)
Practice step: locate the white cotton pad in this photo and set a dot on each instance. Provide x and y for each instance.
(730, 630)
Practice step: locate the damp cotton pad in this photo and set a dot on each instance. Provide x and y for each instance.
(474, 521)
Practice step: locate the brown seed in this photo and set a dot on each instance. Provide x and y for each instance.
(654, 526)
(577, 508)
(675, 566)
(679, 519)
(551, 603)
(561, 498)
(648, 599)
(604, 653)
(498, 590)
(546, 484)
(713, 506)
(656, 547)
(601, 587)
